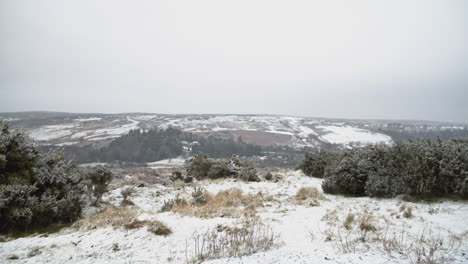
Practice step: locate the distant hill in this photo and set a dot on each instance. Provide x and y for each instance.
(62, 129)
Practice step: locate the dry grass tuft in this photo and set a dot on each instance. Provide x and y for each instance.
(349, 220)
(309, 196)
(176, 202)
(113, 216)
(127, 202)
(246, 237)
(122, 217)
(367, 222)
(135, 223)
(408, 213)
(362, 231)
(228, 203)
(158, 228)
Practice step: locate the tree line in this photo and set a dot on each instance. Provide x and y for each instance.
(159, 144)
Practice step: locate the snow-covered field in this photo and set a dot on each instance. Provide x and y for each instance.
(308, 234)
(167, 163)
(346, 135)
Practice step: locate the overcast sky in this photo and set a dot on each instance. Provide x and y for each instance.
(350, 59)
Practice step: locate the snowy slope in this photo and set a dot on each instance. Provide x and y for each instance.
(302, 229)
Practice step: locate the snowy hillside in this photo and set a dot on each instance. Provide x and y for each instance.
(68, 129)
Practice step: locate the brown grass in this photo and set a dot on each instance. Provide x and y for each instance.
(122, 217)
(309, 196)
(367, 222)
(228, 203)
(127, 202)
(349, 220)
(159, 228)
(112, 216)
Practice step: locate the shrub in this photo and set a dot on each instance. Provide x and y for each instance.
(422, 168)
(202, 167)
(219, 169)
(315, 164)
(350, 174)
(127, 192)
(248, 173)
(177, 175)
(36, 190)
(99, 178)
(199, 166)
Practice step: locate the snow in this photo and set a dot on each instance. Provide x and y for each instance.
(452, 127)
(9, 119)
(65, 144)
(81, 134)
(167, 163)
(144, 117)
(302, 131)
(51, 132)
(93, 164)
(108, 132)
(88, 119)
(306, 131)
(301, 228)
(346, 135)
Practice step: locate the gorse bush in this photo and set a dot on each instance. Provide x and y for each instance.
(350, 174)
(99, 178)
(36, 190)
(202, 167)
(314, 164)
(423, 168)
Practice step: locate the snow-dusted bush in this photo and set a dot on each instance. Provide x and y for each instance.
(248, 173)
(36, 190)
(422, 168)
(219, 169)
(350, 174)
(199, 166)
(99, 178)
(202, 167)
(315, 163)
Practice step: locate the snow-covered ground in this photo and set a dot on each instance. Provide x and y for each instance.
(346, 135)
(52, 132)
(167, 163)
(307, 233)
(88, 119)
